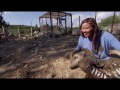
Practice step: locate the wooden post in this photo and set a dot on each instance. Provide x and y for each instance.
(65, 24)
(6, 32)
(51, 23)
(95, 14)
(71, 22)
(113, 22)
(31, 31)
(46, 27)
(39, 24)
(19, 32)
(3, 30)
(79, 21)
(59, 21)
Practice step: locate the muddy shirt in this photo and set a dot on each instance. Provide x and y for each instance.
(107, 41)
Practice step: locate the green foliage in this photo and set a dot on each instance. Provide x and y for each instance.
(27, 31)
(24, 29)
(69, 30)
(20, 26)
(107, 21)
(22, 32)
(14, 31)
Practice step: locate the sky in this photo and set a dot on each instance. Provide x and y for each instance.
(32, 18)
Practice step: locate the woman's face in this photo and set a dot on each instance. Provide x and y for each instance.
(86, 30)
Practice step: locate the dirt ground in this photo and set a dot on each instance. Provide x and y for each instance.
(41, 57)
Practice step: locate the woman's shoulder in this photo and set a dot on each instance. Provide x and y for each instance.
(107, 36)
(81, 37)
(106, 33)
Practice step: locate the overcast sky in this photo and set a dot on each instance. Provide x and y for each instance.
(32, 18)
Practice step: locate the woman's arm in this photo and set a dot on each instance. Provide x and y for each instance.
(79, 45)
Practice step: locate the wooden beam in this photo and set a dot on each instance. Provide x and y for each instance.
(65, 24)
(31, 31)
(113, 22)
(95, 14)
(55, 15)
(19, 34)
(51, 22)
(71, 22)
(59, 21)
(39, 22)
(79, 21)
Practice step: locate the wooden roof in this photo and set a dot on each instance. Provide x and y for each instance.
(55, 15)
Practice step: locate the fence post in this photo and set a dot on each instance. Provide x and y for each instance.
(31, 31)
(19, 35)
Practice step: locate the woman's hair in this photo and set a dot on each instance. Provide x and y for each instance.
(95, 32)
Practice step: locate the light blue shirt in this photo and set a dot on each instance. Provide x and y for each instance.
(107, 41)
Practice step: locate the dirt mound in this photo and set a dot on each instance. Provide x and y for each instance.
(59, 68)
(39, 57)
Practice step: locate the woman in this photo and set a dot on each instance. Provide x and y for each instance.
(92, 38)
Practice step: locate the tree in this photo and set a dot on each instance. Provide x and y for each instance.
(2, 21)
(107, 21)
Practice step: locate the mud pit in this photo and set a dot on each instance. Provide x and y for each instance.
(38, 58)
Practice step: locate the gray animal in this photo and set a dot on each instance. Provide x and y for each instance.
(96, 68)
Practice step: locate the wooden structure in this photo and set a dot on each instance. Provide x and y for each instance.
(59, 16)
